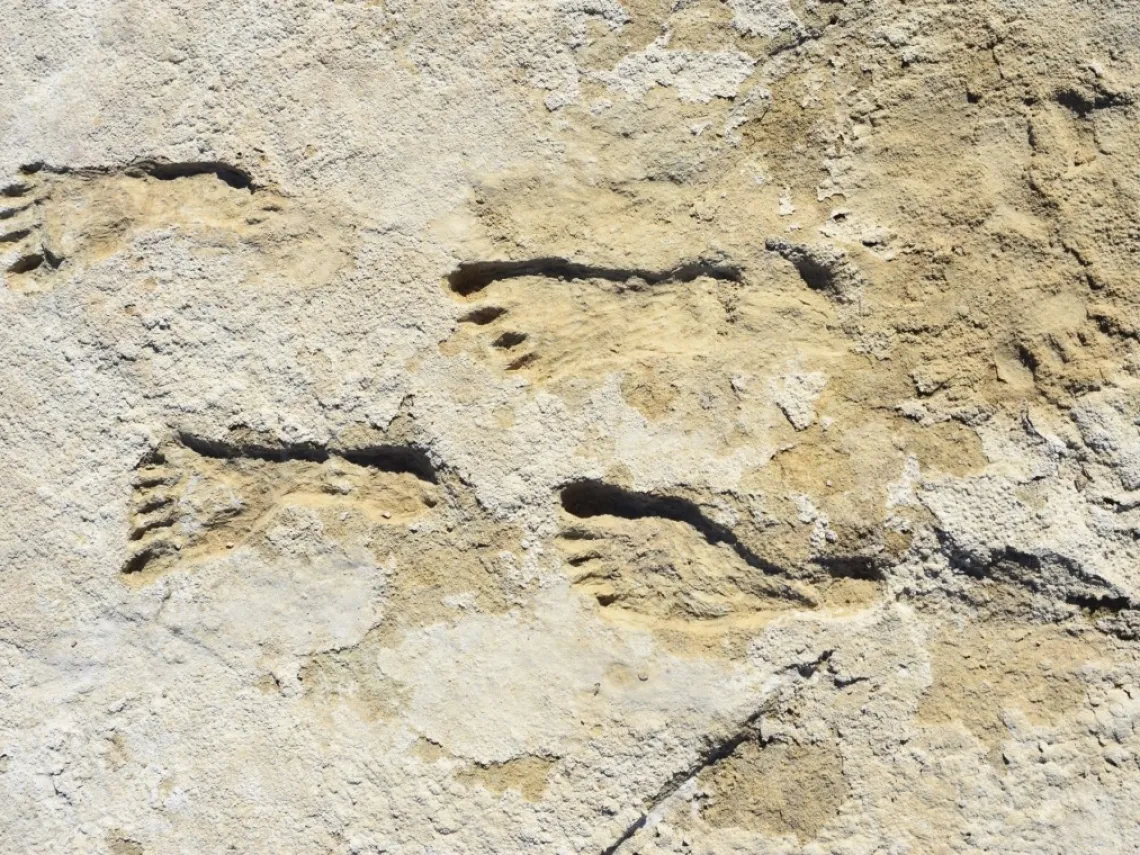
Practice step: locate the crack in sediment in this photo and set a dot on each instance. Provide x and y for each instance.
(473, 276)
(717, 751)
(807, 34)
(850, 567)
(1112, 327)
(1105, 603)
(1030, 571)
(1083, 104)
(812, 34)
(822, 268)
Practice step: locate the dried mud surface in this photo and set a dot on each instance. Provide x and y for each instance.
(610, 427)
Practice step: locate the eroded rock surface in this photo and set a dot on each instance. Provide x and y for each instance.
(612, 427)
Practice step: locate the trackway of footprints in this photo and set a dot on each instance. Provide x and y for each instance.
(656, 560)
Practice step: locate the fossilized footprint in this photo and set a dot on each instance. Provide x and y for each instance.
(660, 560)
(192, 498)
(60, 215)
(677, 338)
(555, 318)
(24, 247)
